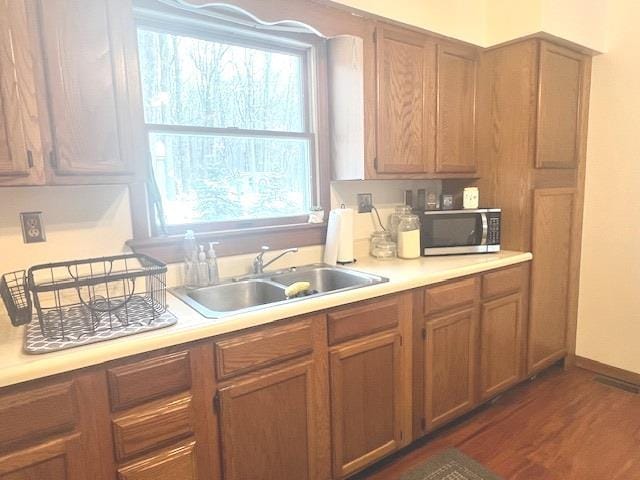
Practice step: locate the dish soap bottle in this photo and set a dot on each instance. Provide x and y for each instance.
(190, 252)
(212, 264)
(203, 268)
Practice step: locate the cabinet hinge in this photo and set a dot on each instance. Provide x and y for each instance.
(423, 424)
(375, 36)
(375, 163)
(424, 333)
(29, 158)
(216, 403)
(53, 159)
(401, 435)
(400, 340)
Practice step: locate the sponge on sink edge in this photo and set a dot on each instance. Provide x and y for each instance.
(296, 289)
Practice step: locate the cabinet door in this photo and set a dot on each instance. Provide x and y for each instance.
(450, 366)
(365, 402)
(268, 425)
(561, 73)
(406, 101)
(500, 344)
(551, 269)
(56, 460)
(456, 124)
(19, 130)
(179, 463)
(87, 73)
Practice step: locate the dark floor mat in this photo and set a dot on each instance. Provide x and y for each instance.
(450, 465)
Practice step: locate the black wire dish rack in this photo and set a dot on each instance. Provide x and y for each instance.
(86, 301)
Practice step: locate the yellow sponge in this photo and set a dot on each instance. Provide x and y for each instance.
(296, 289)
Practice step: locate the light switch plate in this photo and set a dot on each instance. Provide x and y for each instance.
(32, 227)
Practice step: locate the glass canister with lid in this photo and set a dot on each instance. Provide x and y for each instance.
(408, 236)
(381, 246)
(395, 219)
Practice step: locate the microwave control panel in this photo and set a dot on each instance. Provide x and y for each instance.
(493, 233)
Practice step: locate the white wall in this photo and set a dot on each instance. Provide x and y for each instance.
(609, 308)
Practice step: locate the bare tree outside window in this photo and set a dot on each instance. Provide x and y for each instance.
(227, 128)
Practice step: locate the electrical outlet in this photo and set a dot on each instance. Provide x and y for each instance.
(365, 202)
(32, 227)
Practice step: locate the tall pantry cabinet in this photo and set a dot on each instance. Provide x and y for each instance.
(532, 143)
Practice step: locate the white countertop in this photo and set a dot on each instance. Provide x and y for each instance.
(17, 366)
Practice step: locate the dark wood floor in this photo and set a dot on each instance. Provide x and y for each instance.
(563, 425)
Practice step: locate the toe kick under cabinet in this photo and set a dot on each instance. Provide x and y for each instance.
(316, 397)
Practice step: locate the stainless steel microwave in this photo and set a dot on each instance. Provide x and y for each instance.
(453, 232)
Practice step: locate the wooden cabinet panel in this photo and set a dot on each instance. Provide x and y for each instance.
(57, 460)
(406, 101)
(267, 425)
(149, 379)
(152, 427)
(501, 329)
(503, 282)
(365, 401)
(37, 413)
(550, 274)
(365, 319)
(20, 143)
(179, 463)
(561, 73)
(250, 351)
(457, 293)
(450, 358)
(456, 131)
(90, 98)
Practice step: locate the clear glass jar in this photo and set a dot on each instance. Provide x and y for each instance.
(375, 239)
(385, 250)
(395, 219)
(409, 236)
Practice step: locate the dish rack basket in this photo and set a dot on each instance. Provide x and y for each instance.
(84, 297)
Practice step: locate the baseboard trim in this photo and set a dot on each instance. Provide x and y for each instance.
(607, 370)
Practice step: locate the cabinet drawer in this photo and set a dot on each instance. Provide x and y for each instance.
(139, 382)
(363, 320)
(244, 353)
(142, 431)
(177, 463)
(502, 282)
(37, 413)
(451, 295)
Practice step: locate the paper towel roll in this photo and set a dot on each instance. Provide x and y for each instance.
(339, 245)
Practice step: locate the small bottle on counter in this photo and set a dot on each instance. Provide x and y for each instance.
(212, 264)
(203, 268)
(409, 236)
(190, 262)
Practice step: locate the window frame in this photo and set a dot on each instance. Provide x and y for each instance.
(244, 235)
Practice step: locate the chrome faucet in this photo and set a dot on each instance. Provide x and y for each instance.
(258, 262)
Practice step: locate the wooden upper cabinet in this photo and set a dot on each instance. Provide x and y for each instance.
(89, 58)
(561, 85)
(20, 143)
(366, 393)
(456, 119)
(406, 101)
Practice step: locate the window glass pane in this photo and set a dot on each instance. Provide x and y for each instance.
(208, 178)
(190, 81)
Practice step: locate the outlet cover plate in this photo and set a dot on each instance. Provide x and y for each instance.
(32, 227)
(365, 202)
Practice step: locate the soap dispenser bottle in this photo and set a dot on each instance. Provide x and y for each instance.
(190, 262)
(203, 268)
(212, 263)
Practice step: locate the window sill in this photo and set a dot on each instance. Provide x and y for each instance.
(235, 242)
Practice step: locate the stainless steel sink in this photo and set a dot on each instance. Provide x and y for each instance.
(261, 291)
(327, 279)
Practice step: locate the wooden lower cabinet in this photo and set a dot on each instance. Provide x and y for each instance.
(366, 381)
(501, 330)
(450, 366)
(60, 459)
(178, 463)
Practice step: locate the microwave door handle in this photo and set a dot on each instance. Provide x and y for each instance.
(485, 228)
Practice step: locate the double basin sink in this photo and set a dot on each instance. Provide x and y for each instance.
(268, 289)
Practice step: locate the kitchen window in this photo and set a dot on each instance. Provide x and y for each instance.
(232, 125)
